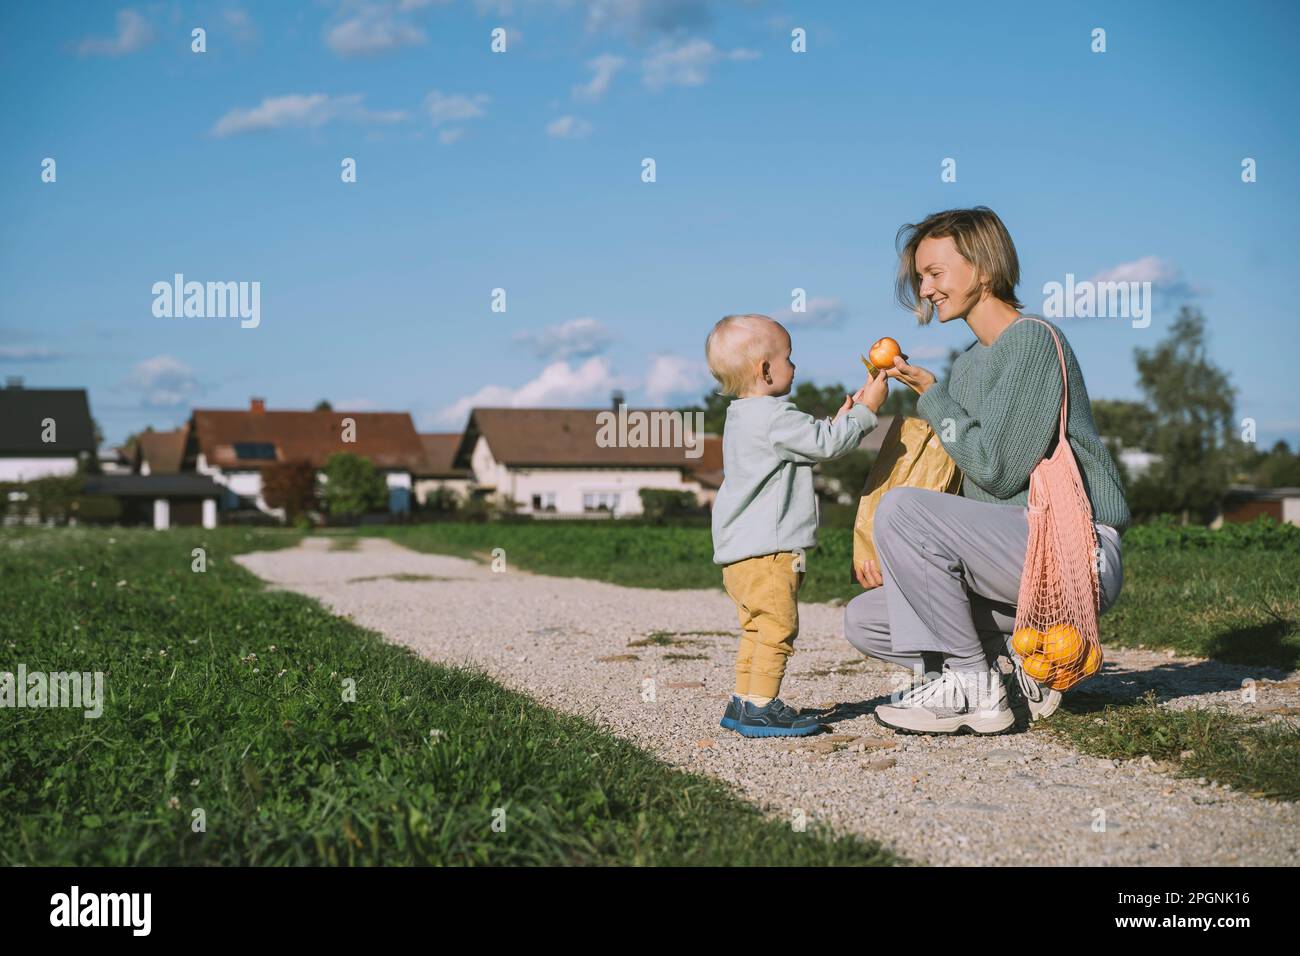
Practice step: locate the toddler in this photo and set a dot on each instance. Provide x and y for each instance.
(765, 515)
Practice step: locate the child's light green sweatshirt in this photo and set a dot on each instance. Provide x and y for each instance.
(767, 503)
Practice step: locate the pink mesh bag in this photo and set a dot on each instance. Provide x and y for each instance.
(1060, 590)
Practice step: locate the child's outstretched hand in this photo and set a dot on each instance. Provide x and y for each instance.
(848, 403)
(874, 392)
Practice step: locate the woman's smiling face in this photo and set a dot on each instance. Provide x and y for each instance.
(947, 279)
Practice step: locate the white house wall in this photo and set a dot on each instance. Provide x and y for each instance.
(427, 486)
(29, 469)
(488, 472)
(1291, 510)
(570, 485)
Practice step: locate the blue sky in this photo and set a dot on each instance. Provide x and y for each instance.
(521, 170)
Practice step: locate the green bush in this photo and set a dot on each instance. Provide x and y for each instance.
(662, 504)
(1262, 534)
(353, 487)
(96, 509)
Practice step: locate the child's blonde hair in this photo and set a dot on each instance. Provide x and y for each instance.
(736, 344)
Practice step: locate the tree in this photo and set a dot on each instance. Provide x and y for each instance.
(1127, 424)
(353, 486)
(1192, 404)
(1278, 468)
(323, 406)
(290, 485)
(819, 402)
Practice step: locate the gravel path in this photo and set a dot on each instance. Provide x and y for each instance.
(940, 800)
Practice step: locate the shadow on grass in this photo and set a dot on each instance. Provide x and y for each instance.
(1272, 643)
(1168, 682)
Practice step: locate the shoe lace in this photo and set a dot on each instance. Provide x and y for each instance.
(919, 695)
(1030, 688)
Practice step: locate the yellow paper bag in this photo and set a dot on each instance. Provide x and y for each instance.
(910, 457)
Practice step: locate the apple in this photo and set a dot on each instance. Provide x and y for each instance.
(881, 355)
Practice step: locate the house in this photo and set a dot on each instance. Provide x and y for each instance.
(437, 471)
(549, 461)
(160, 500)
(1243, 503)
(27, 415)
(157, 453)
(44, 432)
(233, 446)
(115, 460)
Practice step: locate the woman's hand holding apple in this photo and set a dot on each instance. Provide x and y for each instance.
(913, 376)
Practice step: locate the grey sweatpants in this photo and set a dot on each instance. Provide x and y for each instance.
(951, 567)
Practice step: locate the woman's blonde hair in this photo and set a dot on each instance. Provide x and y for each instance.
(982, 241)
(736, 344)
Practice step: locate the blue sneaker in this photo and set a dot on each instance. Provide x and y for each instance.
(776, 719)
(731, 714)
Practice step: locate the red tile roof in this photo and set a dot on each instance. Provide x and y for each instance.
(388, 439)
(164, 451)
(439, 451)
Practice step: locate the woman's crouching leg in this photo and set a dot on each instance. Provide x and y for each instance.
(866, 626)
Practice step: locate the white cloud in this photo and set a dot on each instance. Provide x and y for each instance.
(820, 314)
(133, 33)
(1147, 269)
(449, 136)
(449, 108)
(301, 110)
(686, 63)
(1165, 277)
(557, 384)
(375, 28)
(568, 127)
(163, 382)
(577, 338)
(602, 69)
(673, 375)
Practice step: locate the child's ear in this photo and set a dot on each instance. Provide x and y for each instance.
(767, 372)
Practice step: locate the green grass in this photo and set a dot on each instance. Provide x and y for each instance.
(1263, 761)
(223, 696)
(1232, 594)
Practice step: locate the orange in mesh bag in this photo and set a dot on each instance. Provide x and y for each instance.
(1060, 590)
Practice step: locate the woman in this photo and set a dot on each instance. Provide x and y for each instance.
(941, 599)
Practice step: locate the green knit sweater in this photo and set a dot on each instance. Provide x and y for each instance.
(1004, 403)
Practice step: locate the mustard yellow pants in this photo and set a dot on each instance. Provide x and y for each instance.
(766, 592)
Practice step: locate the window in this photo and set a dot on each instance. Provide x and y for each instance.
(600, 501)
(544, 501)
(255, 450)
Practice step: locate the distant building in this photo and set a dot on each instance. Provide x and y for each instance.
(233, 446)
(28, 416)
(1244, 503)
(436, 471)
(547, 461)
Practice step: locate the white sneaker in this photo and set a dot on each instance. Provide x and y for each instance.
(955, 701)
(1041, 699)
